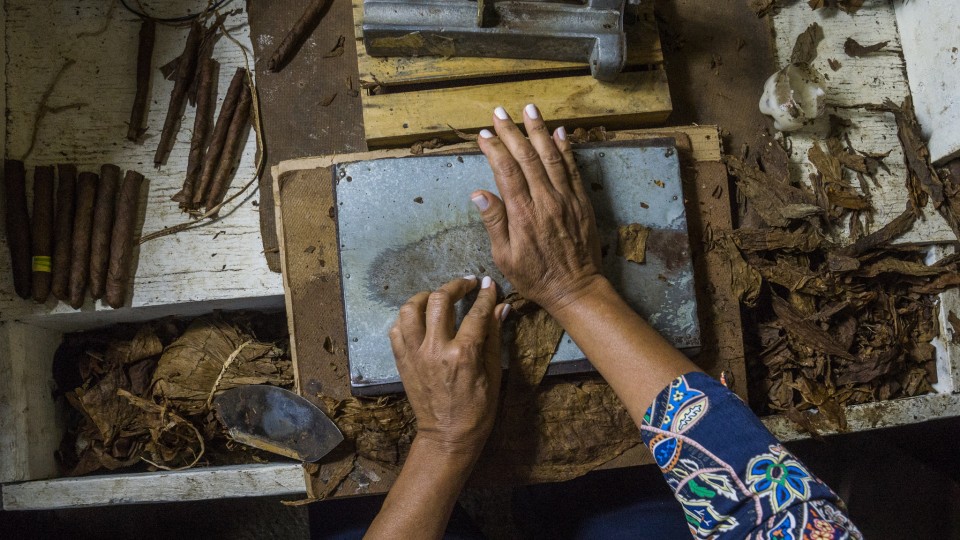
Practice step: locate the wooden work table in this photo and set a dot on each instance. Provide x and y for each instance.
(716, 57)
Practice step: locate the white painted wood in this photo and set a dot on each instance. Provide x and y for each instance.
(175, 486)
(217, 262)
(928, 31)
(30, 428)
(876, 415)
(859, 83)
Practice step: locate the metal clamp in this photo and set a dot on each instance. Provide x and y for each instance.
(544, 29)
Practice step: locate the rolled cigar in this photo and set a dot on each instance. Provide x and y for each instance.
(219, 138)
(103, 212)
(63, 232)
(294, 39)
(42, 231)
(80, 252)
(186, 69)
(232, 150)
(148, 31)
(206, 104)
(18, 225)
(121, 244)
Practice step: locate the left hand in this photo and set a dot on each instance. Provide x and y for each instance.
(451, 376)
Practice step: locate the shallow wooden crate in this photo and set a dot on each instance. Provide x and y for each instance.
(31, 426)
(411, 99)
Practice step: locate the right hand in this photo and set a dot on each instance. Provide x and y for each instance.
(543, 231)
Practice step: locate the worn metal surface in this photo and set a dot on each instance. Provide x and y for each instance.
(407, 225)
(278, 421)
(547, 30)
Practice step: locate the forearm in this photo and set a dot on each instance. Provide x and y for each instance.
(633, 358)
(422, 498)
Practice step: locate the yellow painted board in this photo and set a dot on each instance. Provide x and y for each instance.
(643, 49)
(635, 99)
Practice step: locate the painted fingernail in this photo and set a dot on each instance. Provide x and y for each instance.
(501, 113)
(481, 202)
(561, 133)
(486, 134)
(486, 282)
(532, 111)
(504, 312)
(470, 277)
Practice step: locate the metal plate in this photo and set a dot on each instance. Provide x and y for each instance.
(278, 421)
(408, 225)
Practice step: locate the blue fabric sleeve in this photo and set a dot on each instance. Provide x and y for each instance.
(730, 475)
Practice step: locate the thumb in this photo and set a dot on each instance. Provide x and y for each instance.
(494, 215)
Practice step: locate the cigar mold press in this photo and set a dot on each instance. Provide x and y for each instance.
(406, 225)
(590, 31)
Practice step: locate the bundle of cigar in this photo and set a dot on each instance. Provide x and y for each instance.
(214, 154)
(83, 242)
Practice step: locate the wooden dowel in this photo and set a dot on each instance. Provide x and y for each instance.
(82, 224)
(18, 225)
(41, 231)
(63, 231)
(121, 244)
(219, 138)
(148, 32)
(102, 232)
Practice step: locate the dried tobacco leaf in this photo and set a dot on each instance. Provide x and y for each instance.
(212, 356)
(856, 50)
(889, 232)
(778, 203)
(565, 431)
(537, 338)
(795, 278)
(803, 240)
(762, 7)
(111, 414)
(892, 265)
(381, 429)
(745, 281)
(805, 48)
(632, 242)
(806, 332)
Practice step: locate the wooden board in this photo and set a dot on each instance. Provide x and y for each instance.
(311, 275)
(274, 479)
(408, 106)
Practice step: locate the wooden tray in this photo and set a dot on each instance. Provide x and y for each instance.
(411, 99)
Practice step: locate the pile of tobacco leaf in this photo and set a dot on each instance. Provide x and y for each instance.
(140, 394)
(835, 323)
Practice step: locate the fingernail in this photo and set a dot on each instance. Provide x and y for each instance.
(486, 134)
(481, 202)
(486, 282)
(532, 111)
(561, 133)
(501, 113)
(504, 312)
(470, 277)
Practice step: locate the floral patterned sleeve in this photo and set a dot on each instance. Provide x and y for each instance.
(731, 476)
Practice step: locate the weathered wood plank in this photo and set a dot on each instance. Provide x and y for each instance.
(643, 48)
(156, 487)
(219, 261)
(635, 98)
(30, 431)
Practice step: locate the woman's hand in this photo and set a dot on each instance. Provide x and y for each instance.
(451, 377)
(543, 232)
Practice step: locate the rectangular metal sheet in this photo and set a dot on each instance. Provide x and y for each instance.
(408, 225)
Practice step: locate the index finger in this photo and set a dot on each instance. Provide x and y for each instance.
(440, 312)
